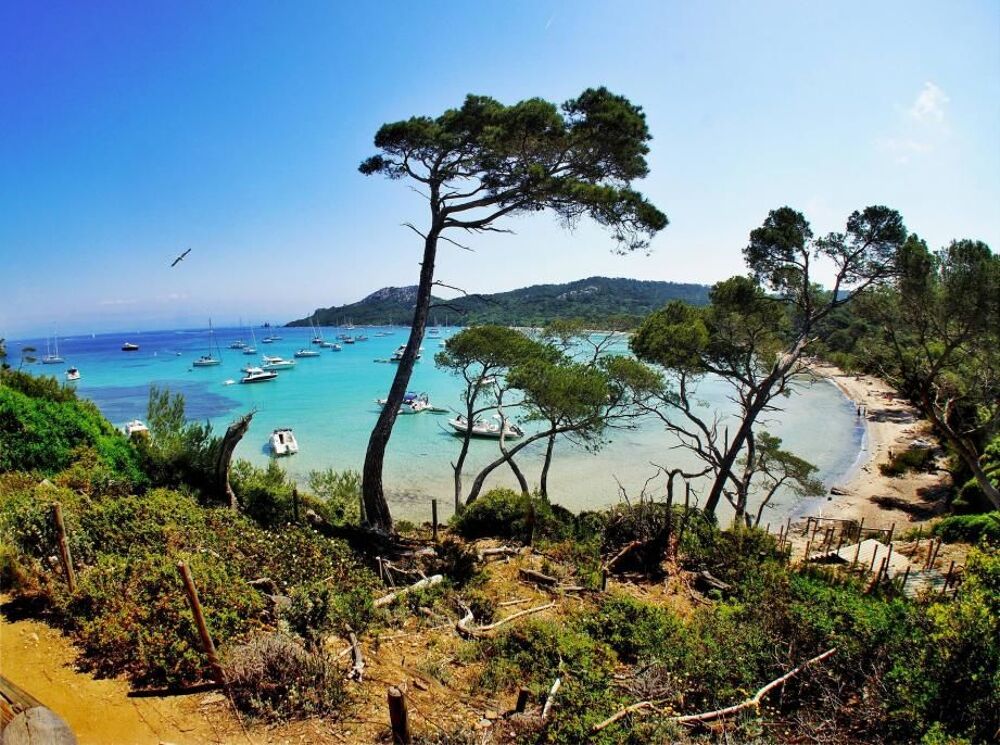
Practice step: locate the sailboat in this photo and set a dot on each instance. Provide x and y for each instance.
(209, 360)
(252, 349)
(52, 358)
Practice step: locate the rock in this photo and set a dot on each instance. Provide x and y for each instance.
(491, 715)
(212, 698)
(33, 637)
(38, 726)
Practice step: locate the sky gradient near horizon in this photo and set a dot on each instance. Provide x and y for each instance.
(132, 131)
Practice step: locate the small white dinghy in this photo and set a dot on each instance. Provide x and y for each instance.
(283, 442)
(483, 428)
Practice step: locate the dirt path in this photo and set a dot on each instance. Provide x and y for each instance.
(40, 660)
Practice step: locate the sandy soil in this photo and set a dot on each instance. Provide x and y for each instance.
(891, 425)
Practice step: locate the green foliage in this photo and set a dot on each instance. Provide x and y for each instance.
(339, 493)
(177, 454)
(133, 616)
(633, 629)
(912, 459)
(500, 513)
(969, 528)
(42, 424)
(318, 609)
(263, 493)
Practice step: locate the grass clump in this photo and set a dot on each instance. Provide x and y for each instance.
(912, 459)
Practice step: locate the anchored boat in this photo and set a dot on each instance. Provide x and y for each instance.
(283, 442)
(483, 428)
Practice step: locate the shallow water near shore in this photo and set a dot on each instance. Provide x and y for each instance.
(330, 403)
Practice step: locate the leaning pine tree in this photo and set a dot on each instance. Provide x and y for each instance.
(486, 161)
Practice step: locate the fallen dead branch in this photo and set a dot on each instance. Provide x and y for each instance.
(463, 627)
(530, 575)
(622, 554)
(502, 551)
(710, 716)
(551, 698)
(418, 585)
(358, 668)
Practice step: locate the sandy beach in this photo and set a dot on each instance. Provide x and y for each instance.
(891, 425)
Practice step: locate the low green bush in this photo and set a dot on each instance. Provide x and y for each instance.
(969, 528)
(132, 615)
(633, 629)
(913, 459)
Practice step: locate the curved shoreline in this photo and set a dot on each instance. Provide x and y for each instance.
(890, 423)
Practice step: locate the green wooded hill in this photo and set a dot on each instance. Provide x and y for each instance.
(599, 300)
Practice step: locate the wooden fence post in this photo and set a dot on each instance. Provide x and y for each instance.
(399, 721)
(434, 519)
(295, 505)
(522, 700)
(64, 554)
(199, 619)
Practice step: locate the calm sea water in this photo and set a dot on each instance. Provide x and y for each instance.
(330, 403)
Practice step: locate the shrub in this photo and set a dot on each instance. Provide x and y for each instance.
(263, 493)
(274, 677)
(339, 494)
(40, 430)
(913, 459)
(633, 629)
(317, 609)
(133, 616)
(969, 528)
(498, 513)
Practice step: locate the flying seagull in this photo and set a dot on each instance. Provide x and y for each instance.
(180, 258)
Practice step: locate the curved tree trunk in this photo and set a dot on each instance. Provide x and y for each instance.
(968, 454)
(229, 442)
(376, 506)
(477, 485)
(543, 482)
(762, 396)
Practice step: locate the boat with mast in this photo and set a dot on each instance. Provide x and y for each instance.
(52, 358)
(252, 348)
(209, 360)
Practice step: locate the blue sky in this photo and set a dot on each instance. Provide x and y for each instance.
(131, 131)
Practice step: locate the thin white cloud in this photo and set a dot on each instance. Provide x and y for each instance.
(117, 302)
(923, 126)
(930, 104)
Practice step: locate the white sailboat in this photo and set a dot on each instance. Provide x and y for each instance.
(252, 349)
(209, 360)
(52, 358)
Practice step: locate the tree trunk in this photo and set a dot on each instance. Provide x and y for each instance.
(543, 484)
(760, 400)
(232, 438)
(967, 453)
(470, 412)
(371, 486)
(477, 485)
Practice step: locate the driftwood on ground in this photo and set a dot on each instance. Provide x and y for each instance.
(530, 575)
(358, 667)
(420, 584)
(463, 624)
(710, 716)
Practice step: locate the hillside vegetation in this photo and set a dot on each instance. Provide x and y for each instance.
(284, 592)
(600, 301)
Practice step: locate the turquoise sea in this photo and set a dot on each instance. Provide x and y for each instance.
(330, 403)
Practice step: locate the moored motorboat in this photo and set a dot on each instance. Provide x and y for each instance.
(413, 403)
(483, 428)
(136, 428)
(335, 347)
(277, 363)
(130, 347)
(283, 442)
(258, 375)
(398, 354)
(307, 353)
(72, 374)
